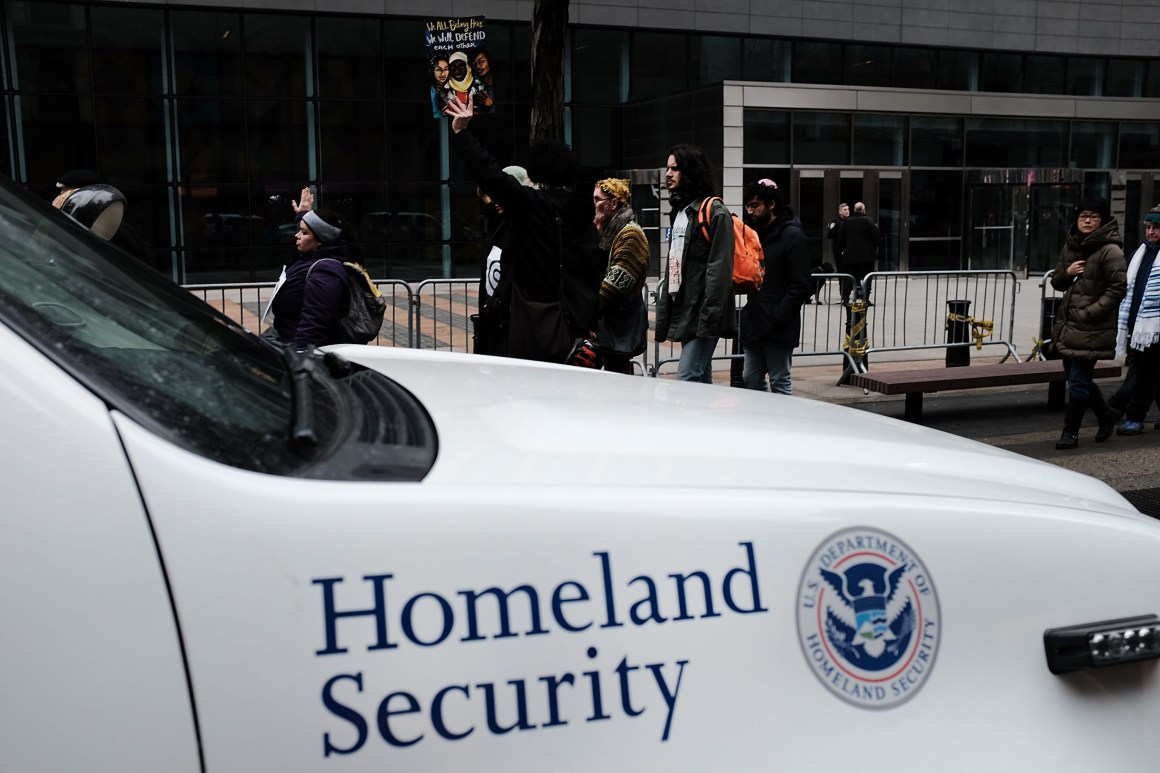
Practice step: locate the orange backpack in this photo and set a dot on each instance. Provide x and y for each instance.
(748, 258)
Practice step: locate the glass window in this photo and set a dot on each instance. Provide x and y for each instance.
(520, 53)
(1085, 76)
(866, 65)
(817, 62)
(821, 138)
(278, 140)
(6, 140)
(936, 141)
(414, 228)
(1044, 75)
(1152, 80)
(659, 65)
(1016, 142)
(207, 53)
(52, 48)
(58, 135)
(131, 138)
(351, 141)
(914, 68)
(276, 48)
(598, 71)
(127, 50)
(596, 137)
(1138, 143)
(349, 58)
(766, 137)
(413, 148)
(879, 140)
(1093, 144)
(713, 59)
(958, 70)
(936, 203)
(212, 141)
(405, 56)
(1125, 78)
(935, 255)
(218, 218)
(1001, 72)
(147, 216)
(765, 60)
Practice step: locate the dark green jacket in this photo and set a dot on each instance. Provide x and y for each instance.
(703, 307)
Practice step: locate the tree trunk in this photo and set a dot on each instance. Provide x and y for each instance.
(549, 21)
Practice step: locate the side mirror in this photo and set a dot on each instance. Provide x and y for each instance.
(98, 208)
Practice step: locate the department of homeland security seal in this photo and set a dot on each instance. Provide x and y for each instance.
(868, 618)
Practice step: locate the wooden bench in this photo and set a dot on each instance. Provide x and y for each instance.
(913, 383)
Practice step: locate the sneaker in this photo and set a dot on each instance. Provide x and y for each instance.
(1131, 428)
(1067, 441)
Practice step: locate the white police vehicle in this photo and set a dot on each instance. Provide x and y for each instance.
(218, 557)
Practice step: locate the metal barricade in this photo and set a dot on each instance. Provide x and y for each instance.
(1049, 300)
(908, 311)
(823, 330)
(441, 314)
(824, 321)
(397, 322)
(246, 302)
(243, 302)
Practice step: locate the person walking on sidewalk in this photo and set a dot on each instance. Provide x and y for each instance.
(695, 296)
(771, 320)
(1138, 331)
(1092, 275)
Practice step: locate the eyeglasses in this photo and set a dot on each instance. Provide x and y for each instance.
(598, 200)
(1087, 216)
(753, 205)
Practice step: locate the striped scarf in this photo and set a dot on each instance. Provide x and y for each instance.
(1146, 330)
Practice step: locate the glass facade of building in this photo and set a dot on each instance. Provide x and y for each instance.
(212, 120)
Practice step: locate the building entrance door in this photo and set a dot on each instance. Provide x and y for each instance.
(819, 192)
(1017, 219)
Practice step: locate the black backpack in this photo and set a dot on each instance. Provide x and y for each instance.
(365, 306)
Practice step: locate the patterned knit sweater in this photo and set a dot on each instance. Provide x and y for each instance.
(628, 254)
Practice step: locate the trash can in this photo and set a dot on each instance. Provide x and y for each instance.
(958, 333)
(1046, 322)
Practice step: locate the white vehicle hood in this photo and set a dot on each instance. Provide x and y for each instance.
(508, 422)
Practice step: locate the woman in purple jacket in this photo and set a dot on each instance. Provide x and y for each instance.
(311, 297)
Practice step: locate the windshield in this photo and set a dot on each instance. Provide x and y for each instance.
(152, 350)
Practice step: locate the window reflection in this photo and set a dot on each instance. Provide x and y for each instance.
(126, 50)
(1093, 144)
(207, 53)
(52, 52)
(880, 140)
(600, 78)
(821, 138)
(276, 55)
(936, 141)
(1016, 142)
(349, 58)
(867, 65)
(1001, 72)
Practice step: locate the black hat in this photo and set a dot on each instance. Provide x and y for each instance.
(1095, 204)
(78, 178)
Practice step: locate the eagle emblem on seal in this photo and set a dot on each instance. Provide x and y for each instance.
(867, 620)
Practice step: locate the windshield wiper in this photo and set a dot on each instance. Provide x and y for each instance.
(301, 367)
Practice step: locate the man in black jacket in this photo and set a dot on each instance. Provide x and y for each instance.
(551, 268)
(771, 319)
(858, 244)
